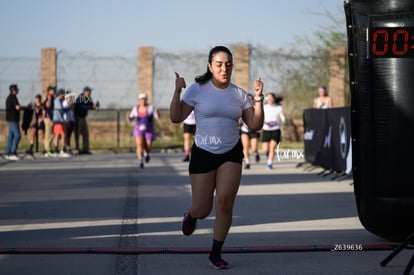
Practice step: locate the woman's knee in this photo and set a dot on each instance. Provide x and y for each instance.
(200, 212)
(224, 203)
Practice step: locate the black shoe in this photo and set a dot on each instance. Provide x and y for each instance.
(147, 158)
(186, 159)
(247, 166)
(189, 224)
(257, 157)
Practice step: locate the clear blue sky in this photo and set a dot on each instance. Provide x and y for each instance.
(119, 27)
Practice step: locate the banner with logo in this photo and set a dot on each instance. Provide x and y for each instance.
(327, 138)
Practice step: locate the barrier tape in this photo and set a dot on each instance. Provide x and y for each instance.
(201, 250)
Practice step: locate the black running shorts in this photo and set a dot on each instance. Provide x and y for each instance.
(203, 161)
(251, 134)
(271, 135)
(189, 128)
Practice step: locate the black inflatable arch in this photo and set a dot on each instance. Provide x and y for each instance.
(381, 69)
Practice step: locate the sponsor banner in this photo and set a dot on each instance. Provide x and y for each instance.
(327, 138)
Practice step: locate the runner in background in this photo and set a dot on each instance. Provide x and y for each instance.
(189, 128)
(273, 118)
(144, 133)
(250, 140)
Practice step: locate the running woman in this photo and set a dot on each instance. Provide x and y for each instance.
(216, 156)
(144, 133)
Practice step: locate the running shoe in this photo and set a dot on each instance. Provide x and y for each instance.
(218, 264)
(147, 158)
(64, 154)
(13, 157)
(257, 158)
(269, 166)
(186, 158)
(247, 166)
(189, 224)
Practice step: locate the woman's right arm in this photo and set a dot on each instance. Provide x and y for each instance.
(131, 115)
(178, 109)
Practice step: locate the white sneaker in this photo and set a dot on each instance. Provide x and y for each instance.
(63, 154)
(13, 157)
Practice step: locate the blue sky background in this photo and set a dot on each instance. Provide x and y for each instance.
(109, 27)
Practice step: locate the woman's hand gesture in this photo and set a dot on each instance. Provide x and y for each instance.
(258, 86)
(179, 83)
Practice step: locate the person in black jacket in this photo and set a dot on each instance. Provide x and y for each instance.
(48, 105)
(13, 117)
(83, 104)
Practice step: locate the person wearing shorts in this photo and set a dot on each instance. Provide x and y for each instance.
(59, 130)
(37, 125)
(144, 133)
(48, 119)
(273, 118)
(216, 155)
(189, 128)
(250, 140)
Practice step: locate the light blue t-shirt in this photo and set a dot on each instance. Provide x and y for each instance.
(217, 112)
(58, 111)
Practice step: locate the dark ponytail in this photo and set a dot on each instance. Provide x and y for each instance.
(202, 79)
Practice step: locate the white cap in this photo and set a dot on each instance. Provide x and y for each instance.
(70, 94)
(142, 96)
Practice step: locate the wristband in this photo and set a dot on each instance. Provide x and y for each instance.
(259, 98)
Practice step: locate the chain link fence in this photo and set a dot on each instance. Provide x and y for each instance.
(114, 83)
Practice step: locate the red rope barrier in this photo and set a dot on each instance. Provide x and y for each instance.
(199, 250)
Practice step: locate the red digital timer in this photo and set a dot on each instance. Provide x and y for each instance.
(394, 42)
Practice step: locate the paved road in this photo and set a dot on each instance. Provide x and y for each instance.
(104, 201)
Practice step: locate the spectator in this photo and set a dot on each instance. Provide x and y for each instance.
(59, 124)
(48, 119)
(69, 118)
(37, 125)
(83, 104)
(189, 128)
(273, 118)
(144, 134)
(13, 118)
(323, 101)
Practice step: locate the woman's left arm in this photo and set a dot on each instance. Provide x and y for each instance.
(254, 117)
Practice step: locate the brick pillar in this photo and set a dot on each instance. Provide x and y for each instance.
(336, 87)
(241, 67)
(145, 71)
(48, 69)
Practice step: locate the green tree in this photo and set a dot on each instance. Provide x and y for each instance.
(311, 69)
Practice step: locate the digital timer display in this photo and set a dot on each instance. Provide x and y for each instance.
(394, 42)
